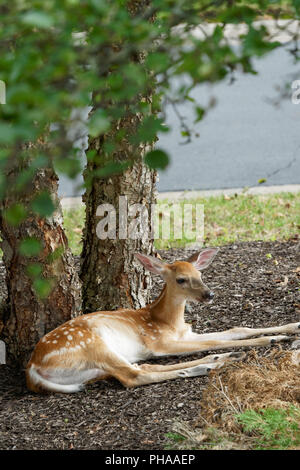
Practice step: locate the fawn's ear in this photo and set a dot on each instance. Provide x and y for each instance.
(153, 265)
(203, 259)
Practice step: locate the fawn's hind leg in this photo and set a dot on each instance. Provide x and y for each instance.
(217, 359)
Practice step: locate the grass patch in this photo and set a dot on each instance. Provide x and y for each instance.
(275, 429)
(253, 404)
(264, 429)
(227, 219)
(74, 223)
(242, 218)
(174, 437)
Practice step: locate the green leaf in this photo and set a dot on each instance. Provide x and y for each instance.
(112, 168)
(40, 161)
(200, 112)
(158, 61)
(24, 177)
(99, 123)
(43, 205)
(34, 270)
(99, 5)
(296, 4)
(38, 19)
(256, 45)
(42, 287)
(56, 254)
(7, 133)
(67, 166)
(15, 214)
(157, 159)
(237, 14)
(149, 129)
(185, 133)
(262, 180)
(91, 155)
(30, 247)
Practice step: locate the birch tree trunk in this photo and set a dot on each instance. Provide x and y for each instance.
(27, 317)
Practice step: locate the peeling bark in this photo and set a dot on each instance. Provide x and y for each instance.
(26, 317)
(112, 278)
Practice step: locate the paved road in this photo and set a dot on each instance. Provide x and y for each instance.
(243, 139)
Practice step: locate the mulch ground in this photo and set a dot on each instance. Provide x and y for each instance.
(255, 284)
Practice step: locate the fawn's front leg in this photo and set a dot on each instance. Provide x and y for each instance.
(233, 338)
(239, 333)
(180, 347)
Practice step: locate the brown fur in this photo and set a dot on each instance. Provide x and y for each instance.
(106, 343)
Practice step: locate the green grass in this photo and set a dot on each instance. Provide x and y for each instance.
(246, 218)
(173, 437)
(227, 220)
(275, 428)
(264, 429)
(74, 224)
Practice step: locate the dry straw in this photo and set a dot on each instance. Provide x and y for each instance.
(272, 381)
(257, 383)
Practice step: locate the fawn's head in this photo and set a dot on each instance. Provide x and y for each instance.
(183, 277)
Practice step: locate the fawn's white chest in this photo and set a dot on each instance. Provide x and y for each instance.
(123, 341)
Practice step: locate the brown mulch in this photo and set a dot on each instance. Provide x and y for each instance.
(251, 289)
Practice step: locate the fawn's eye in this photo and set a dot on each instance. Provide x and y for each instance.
(180, 280)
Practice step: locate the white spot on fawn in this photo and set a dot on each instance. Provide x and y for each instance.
(70, 337)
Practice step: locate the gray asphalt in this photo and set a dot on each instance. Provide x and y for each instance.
(243, 139)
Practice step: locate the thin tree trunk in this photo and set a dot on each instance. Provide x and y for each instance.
(27, 317)
(111, 276)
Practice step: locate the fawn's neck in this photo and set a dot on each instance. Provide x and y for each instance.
(168, 308)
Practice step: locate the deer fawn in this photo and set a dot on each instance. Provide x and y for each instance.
(109, 344)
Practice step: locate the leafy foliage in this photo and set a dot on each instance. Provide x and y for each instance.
(58, 55)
